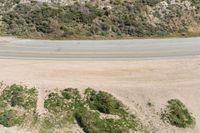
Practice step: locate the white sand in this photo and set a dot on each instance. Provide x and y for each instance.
(133, 82)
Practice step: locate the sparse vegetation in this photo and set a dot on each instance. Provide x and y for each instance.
(94, 112)
(150, 104)
(10, 118)
(177, 114)
(117, 18)
(20, 96)
(17, 103)
(66, 107)
(62, 107)
(69, 102)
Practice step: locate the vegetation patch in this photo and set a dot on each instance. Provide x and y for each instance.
(177, 114)
(107, 19)
(103, 102)
(16, 95)
(61, 107)
(94, 111)
(10, 118)
(91, 122)
(70, 105)
(17, 105)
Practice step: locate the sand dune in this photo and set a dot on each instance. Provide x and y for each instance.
(134, 82)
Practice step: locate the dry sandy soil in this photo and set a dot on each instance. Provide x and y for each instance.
(135, 83)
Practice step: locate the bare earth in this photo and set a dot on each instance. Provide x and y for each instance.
(135, 83)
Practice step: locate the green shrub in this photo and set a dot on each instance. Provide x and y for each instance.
(71, 93)
(91, 122)
(18, 108)
(103, 102)
(55, 103)
(2, 104)
(10, 118)
(62, 107)
(5, 118)
(33, 20)
(68, 100)
(177, 114)
(68, 103)
(17, 95)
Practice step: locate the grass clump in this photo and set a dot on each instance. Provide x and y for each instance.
(177, 114)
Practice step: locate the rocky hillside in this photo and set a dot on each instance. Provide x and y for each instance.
(60, 19)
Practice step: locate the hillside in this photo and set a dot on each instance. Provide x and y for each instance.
(60, 19)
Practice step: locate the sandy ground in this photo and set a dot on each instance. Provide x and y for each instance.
(135, 83)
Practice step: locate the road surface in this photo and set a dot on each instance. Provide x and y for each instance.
(101, 49)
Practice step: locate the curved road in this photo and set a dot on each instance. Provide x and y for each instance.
(102, 49)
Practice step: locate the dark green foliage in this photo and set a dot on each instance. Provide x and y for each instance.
(124, 19)
(92, 123)
(103, 102)
(96, 112)
(71, 93)
(18, 107)
(177, 114)
(3, 104)
(10, 118)
(69, 104)
(5, 118)
(89, 121)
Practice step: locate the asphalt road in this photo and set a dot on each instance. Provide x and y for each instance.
(100, 49)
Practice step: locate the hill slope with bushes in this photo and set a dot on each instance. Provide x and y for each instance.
(99, 18)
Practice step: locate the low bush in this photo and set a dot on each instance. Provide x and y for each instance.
(177, 114)
(10, 118)
(91, 122)
(103, 102)
(69, 102)
(92, 112)
(17, 105)
(17, 95)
